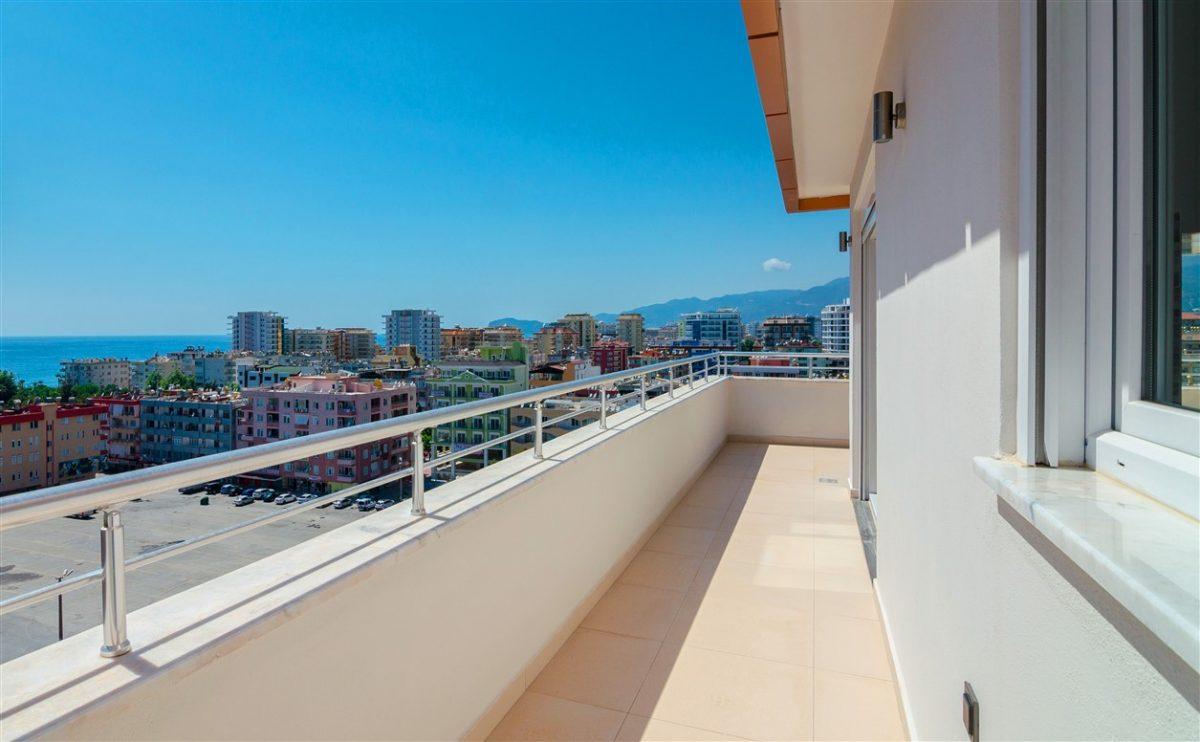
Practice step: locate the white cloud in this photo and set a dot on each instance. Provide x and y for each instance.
(775, 264)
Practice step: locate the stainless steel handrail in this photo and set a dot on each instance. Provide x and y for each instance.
(108, 493)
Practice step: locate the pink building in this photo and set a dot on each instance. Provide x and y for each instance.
(303, 405)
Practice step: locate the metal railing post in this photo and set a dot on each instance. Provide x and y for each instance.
(112, 587)
(537, 430)
(642, 398)
(603, 408)
(691, 375)
(671, 381)
(418, 475)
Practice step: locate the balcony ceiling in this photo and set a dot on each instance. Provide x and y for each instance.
(816, 64)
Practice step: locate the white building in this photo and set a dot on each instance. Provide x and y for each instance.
(835, 327)
(420, 328)
(631, 327)
(258, 332)
(102, 372)
(720, 327)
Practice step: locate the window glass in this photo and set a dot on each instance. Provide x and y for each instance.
(1173, 203)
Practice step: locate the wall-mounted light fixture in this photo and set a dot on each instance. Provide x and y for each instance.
(844, 241)
(885, 116)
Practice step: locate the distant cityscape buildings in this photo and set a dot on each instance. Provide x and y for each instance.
(721, 327)
(420, 328)
(278, 383)
(835, 327)
(256, 332)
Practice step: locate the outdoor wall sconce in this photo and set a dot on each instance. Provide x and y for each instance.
(886, 116)
(844, 241)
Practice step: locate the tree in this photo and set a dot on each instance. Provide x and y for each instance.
(8, 387)
(747, 344)
(154, 380)
(181, 380)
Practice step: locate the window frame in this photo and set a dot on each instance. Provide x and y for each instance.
(1081, 396)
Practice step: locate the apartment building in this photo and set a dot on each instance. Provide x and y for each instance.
(611, 355)
(353, 343)
(555, 340)
(631, 328)
(121, 431)
(835, 327)
(304, 405)
(46, 444)
(253, 376)
(257, 332)
(210, 368)
(786, 331)
(458, 340)
(176, 426)
(722, 327)
(102, 372)
(494, 372)
(584, 327)
(316, 340)
(420, 328)
(502, 335)
(547, 374)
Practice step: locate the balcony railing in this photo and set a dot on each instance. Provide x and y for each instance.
(108, 494)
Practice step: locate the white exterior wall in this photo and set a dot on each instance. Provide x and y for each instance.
(965, 596)
(798, 411)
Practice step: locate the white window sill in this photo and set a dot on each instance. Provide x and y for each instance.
(1143, 553)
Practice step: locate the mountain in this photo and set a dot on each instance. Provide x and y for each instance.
(527, 326)
(755, 306)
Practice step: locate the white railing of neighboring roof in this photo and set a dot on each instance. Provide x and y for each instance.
(107, 494)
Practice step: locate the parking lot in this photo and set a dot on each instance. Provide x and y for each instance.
(32, 556)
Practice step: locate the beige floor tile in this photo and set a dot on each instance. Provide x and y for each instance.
(715, 492)
(635, 610)
(843, 581)
(839, 555)
(795, 457)
(775, 473)
(848, 707)
(693, 517)
(538, 717)
(680, 540)
(656, 730)
(831, 493)
(763, 629)
(851, 645)
(855, 604)
(756, 548)
(797, 502)
(742, 521)
(597, 668)
(728, 693)
(834, 512)
(729, 468)
(662, 570)
(755, 583)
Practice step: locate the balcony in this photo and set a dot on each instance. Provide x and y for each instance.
(668, 571)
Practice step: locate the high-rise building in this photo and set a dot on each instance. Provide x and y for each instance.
(257, 332)
(420, 328)
(782, 332)
(180, 426)
(835, 327)
(720, 327)
(584, 326)
(631, 328)
(102, 372)
(555, 340)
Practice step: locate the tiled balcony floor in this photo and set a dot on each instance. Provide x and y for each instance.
(748, 615)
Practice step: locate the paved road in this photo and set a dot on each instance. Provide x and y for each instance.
(34, 555)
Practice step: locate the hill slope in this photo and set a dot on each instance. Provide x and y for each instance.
(754, 305)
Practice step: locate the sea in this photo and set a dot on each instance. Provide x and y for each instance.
(33, 359)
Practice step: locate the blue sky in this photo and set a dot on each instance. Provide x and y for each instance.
(167, 164)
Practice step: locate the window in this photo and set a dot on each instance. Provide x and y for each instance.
(1172, 206)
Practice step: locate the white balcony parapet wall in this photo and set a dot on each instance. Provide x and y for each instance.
(396, 626)
(795, 411)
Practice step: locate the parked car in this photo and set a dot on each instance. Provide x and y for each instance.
(241, 500)
(249, 491)
(285, 498)
(212, 488)
(266, 494)
(366, 506)
(305, 497)
(381, 504)
(229, 489)
(342, 504)
(191, 489)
